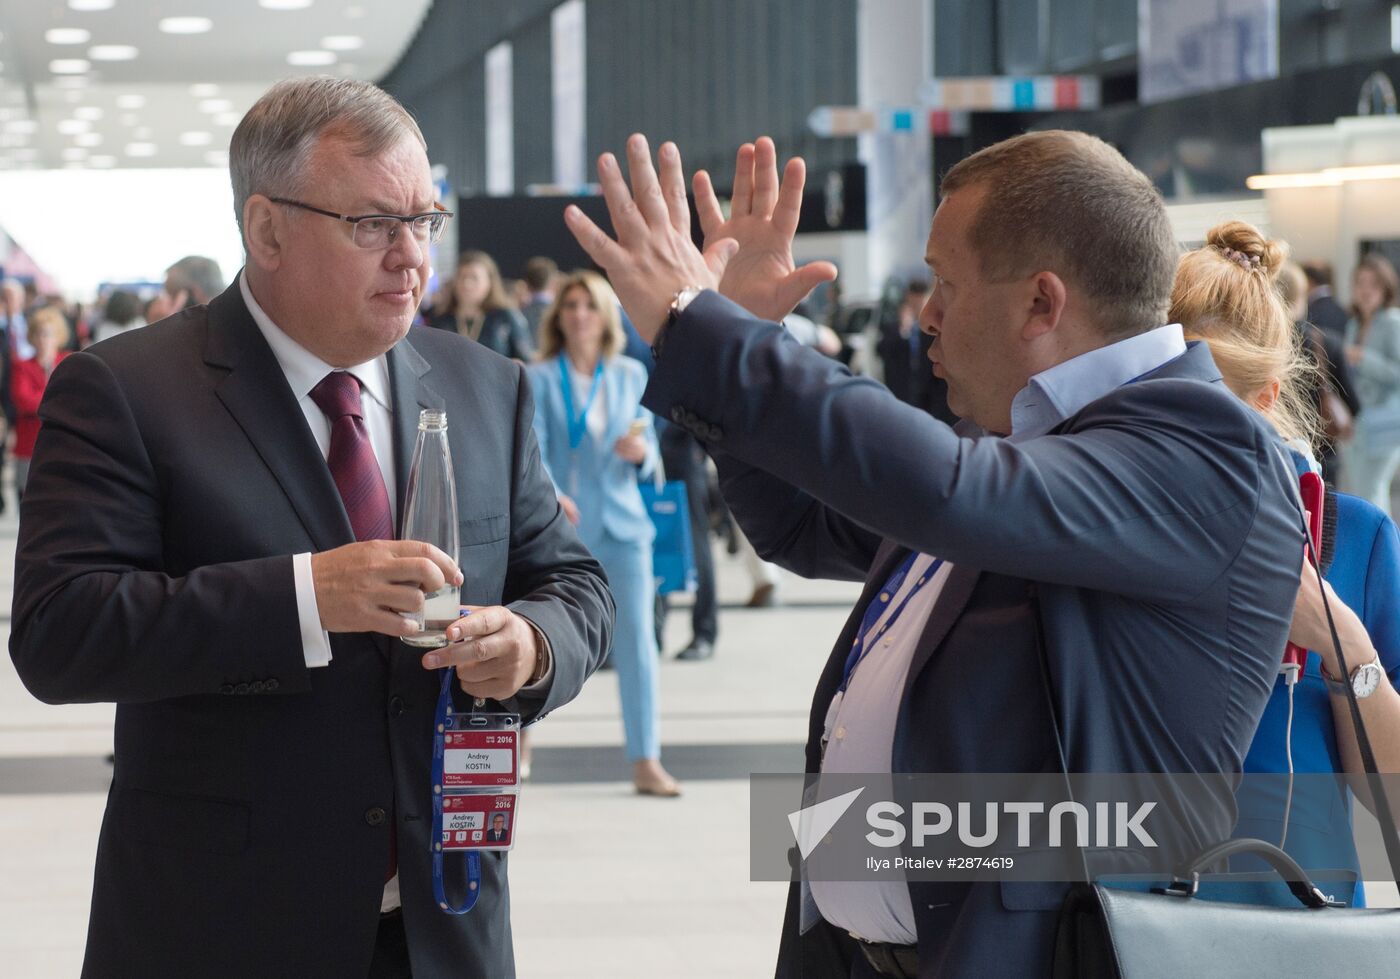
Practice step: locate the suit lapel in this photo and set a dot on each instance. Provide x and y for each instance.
(949, 604)
(256, 393)
(409, 393)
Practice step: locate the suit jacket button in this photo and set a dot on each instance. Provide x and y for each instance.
(396, 706)
(226, 688)
(256, 686)
(677, 414)
(241, 688)
(270, 683)
(374, 816)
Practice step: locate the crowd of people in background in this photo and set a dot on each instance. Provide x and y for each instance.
(588, 366)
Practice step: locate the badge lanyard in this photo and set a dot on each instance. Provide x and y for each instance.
(578, 424)
(476, 775)
(868, 634)
(440, 722)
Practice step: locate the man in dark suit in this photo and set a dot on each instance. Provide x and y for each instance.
(1324, 312)
(207, 542)
(497, 832)
(1134, 512)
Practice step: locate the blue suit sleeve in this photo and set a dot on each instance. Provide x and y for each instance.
(538, 385)
(1158, 477)
(1381, 614)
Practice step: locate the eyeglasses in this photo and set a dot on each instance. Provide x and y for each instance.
(382, 230)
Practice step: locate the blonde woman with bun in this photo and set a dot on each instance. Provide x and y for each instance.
(1226, 295)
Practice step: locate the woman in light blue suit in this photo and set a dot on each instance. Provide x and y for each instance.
(596, 440)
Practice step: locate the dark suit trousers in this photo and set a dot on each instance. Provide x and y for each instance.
(681, 456)
(391, 949)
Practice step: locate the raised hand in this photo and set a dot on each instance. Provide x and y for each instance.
(653, 257)
(763, 213)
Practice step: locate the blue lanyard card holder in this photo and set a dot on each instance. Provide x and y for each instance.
(476, 790)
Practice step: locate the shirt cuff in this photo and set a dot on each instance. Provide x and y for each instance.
(544, 669)
(315, 641)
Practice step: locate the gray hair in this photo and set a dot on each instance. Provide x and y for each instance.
(199, 272)
(271, 146)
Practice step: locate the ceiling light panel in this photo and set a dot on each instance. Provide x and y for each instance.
(186, 25)
(67, 35)
(113, 52)
(311, 59)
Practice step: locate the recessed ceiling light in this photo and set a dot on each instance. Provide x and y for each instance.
(284, 4)
(215, 105)
(185, 25)
(141, 149)
(74, 153)
(69, 66)
(228, 118)
(196, 137)
(72, 127)
(21, 126)
(131, 101)
(216, 158)
(112, 52)
(67, 35)
(204, 90)
(342, 42)
(311, 59)
(88, 139)
(89, 112)
(102, 161)
(86, 5)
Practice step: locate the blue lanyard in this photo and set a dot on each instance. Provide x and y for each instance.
(877, 607)
(578, 424)
(444, 707)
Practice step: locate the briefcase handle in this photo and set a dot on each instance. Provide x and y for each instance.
(1188, 881)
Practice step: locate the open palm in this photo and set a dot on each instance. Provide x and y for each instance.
(762, 276)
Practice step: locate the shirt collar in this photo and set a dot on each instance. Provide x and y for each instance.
(304, 369)
(1053, 395)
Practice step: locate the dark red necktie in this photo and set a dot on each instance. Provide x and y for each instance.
(357, 476)
(351, 459)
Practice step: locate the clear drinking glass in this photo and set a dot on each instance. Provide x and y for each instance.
(430, 514)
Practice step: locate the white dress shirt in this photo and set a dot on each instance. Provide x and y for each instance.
(304, 370)
(861, 728)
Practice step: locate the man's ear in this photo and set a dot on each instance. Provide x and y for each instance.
(1047, 298)
(263, 227)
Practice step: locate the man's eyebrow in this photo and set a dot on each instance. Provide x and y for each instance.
(380, 207)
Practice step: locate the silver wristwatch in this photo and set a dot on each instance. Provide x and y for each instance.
(1364, 680)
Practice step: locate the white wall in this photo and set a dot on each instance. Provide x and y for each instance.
(85, 227)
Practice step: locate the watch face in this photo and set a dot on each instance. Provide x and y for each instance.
(1365, 680)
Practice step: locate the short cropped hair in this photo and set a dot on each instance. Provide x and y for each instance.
(202, 273)
(539, 273)
(271, 146)
(1069, 203)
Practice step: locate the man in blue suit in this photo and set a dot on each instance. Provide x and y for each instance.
(1132, 506)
